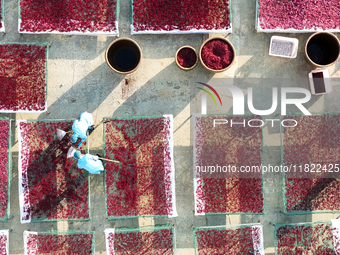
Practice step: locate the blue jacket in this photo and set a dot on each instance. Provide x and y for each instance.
(90, 163)
(81, 125)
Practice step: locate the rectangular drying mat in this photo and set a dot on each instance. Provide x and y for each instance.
(2, 18)
(297, 17)
(54, 242)
(311, 150)
(191, 16)
(307, 238)
(4, 242)
(160, 239)
(223, 147)
(71, 17)
(51, 187)
(23, 75)
(143, 184)
(232, 239)
(5, 167)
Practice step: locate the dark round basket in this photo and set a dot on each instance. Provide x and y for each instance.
(123, 55)
(322, 49)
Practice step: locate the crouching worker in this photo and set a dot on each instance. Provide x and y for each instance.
(89, 162)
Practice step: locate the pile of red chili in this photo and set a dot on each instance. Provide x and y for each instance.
(186, 57)
(217, 54)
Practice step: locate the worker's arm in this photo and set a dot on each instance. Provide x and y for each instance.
(83, 137)
(93, 157)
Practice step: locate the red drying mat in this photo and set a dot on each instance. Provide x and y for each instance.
(225, 145)
(156, 240)
(143, 184)
(71, 242)
(306, 15)
(23, 77)
(4, 167)
(233, 239)
(70, 17)
(154, 16)
(307, 238)
(2, 16)
(4, 242)
(313, 143)
(51, 187)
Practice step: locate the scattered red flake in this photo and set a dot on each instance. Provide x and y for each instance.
(23, 77)
(224, 145)
(315, 140)
(4, 166)
(52, 185)
(141, 184)
(142, 241)
(299, 14)
(68, 16)
(186, 57)
(59, 243)
(157, 15)
(217, 54)
(307, 238)
(228, 240)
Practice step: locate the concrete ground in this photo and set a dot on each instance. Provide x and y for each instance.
(77, 69)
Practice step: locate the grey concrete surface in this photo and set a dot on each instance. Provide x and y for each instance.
(77, 69)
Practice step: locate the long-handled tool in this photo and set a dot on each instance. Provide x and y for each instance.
(72, 150)
(62, 133)
(111, 160)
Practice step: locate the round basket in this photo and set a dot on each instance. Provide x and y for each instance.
(123, 55)
(322, 49)
(217, 53)
(189, 56)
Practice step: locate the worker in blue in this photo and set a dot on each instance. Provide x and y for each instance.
(80, 127)
(89, 162)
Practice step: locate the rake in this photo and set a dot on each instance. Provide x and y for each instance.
(62, 133)
(72, 150)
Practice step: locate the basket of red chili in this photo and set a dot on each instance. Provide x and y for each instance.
(217, 54)
(186, 58)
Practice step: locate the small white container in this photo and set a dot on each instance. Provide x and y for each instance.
(320, 82)
(283, 47)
